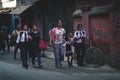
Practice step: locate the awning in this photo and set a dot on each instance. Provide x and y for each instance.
(100, 10)
(77, 13)
(5, 10)
(20, 9)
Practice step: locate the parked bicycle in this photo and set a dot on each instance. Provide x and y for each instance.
(93, 56)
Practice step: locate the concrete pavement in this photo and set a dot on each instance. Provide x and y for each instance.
(11, 69)
(16, 72)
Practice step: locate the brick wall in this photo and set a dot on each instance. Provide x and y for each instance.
(76, 21)
(115, 44)
(100, 32)
(104, 32)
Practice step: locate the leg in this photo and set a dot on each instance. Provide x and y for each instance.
(82, 54)
(56, 54)
(30, 49)
(68, 59)
(61, 53)
(24, 56)
(15, 50)
(8, 46)
(18, 47)
(38, 54)
(33, 56)
(77, 49)
(71, 61)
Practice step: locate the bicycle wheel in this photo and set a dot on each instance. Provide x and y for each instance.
(93, 57)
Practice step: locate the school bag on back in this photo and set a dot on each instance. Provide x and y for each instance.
(52, 33)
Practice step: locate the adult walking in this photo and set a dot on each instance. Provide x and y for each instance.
(14, 38)
(4, 33)
(79, 38)
(22, 40)
(35, 52)
(57, 38)
(2, 42)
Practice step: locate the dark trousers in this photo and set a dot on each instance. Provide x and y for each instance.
(30, 49)
(80, 51)
(2, 44)
(24, 50)
(16, 47)
(36, 53)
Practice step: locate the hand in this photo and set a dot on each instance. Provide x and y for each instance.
(63, 41)
(50, 43)
(75, 39)
(30, 37)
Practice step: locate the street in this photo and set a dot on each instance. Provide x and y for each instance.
(93, 22)
(11, 69)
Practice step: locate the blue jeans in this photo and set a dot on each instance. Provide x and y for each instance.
(35, 52)
(38, 55)
(58, 53)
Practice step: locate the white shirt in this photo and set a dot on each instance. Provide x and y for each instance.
(79, 34)
(21, 38)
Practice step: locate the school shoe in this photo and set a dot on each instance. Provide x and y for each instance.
(40, 66)
(70, 65)
(56, 66)
(80, 65)
(60, 65)
(26, 66)
(33, 63)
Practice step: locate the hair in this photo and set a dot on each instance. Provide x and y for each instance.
(79, 26)
(18, 26)
(24, 25)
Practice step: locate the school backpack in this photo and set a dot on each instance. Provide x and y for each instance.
(51, 33)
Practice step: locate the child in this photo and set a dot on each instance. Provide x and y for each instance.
(69, 52)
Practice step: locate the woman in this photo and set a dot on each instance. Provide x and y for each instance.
(56, 36)
(35, 37)
(14, 37)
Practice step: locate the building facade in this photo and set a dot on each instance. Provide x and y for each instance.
(100, 19)
(46, 13)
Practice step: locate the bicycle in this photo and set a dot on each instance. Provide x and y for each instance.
(93, 56)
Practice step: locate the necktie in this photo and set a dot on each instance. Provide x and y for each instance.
(25, 37)
(81, 33)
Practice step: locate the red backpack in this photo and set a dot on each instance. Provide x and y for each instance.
(42, 44)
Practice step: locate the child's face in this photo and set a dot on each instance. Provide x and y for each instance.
(69, 38)
(70, 34)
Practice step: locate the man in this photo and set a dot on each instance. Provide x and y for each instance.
(56, 36)
(22, 40)
(79, 38)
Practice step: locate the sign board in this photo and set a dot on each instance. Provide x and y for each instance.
(8, 3)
